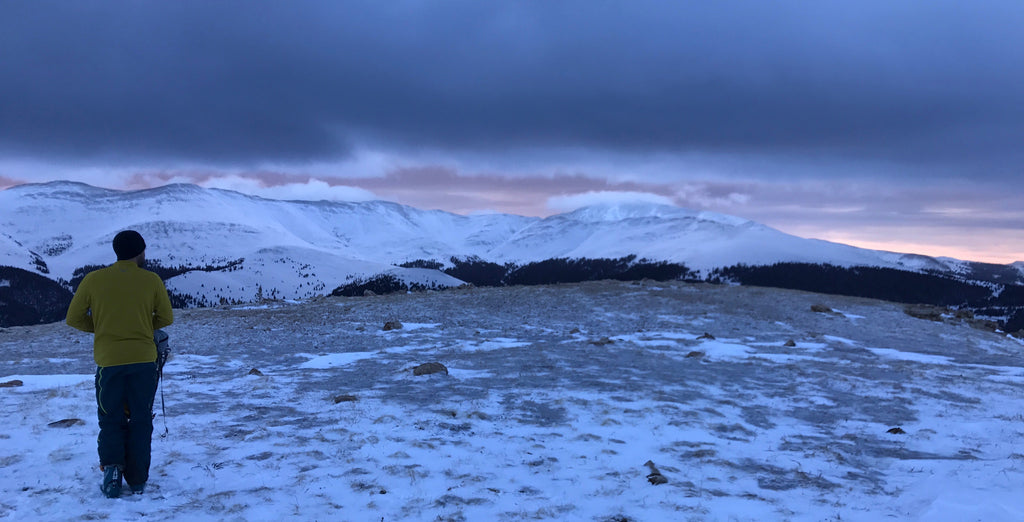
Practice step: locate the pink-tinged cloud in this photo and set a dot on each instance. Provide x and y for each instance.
(447, 189)
(312, 190)
(6, 182)
(157, 178)
(271, 185)
(967, 221)
(422, 187)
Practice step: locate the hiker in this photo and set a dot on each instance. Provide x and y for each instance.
(122, 305)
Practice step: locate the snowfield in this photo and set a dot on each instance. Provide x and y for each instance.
(559, 403)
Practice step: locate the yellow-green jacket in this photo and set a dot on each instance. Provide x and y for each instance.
(126, 303)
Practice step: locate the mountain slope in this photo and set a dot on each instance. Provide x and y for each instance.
(70, 224)
(700, 240)
(220, 246)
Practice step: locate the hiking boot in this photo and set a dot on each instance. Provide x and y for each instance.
(111, 481)
(137, 489)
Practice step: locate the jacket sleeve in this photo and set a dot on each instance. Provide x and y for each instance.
(162, 315)
(78, 312)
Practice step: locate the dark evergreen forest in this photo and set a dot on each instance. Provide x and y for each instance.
(30, 298)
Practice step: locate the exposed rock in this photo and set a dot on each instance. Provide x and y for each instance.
(790, 343)
(706, 336)
(574, 331)
(256, 372)
(392, 325)
(465, 427)
(963, 314)
(694, 355)
(430, 368)
(896, 431)
(655, 477)
(602, 341)
(821, 309)
(345, 398)
(11, 384)
(940, 314)
(66, 423)
(982, 324)
(929, 312)
(617, 518)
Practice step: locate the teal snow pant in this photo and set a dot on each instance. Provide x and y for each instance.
(124, 396)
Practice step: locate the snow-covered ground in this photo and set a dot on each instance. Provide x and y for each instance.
(555, 399)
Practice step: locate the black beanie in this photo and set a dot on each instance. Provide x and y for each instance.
(128, 244)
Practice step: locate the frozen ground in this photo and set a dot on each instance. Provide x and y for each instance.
(555, 399)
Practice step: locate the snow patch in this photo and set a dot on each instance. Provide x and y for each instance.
(33, 383)
(323, 362)
(494, 344)
(911, 356)
(715, 350)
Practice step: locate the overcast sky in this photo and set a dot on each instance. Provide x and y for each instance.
(888, 124)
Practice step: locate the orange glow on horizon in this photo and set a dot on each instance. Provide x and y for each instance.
(965, 253)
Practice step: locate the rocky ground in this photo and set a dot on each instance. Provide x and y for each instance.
(544, 402)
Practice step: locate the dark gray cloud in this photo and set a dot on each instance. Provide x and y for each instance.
(937, 86)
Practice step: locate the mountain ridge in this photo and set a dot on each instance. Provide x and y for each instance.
(594, 231)
(303, 249)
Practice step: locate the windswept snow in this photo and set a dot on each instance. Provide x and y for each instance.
(334, 360)
(555, 399)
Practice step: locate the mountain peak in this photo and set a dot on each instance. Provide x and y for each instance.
(60, 187)
(606, 212)
(626, 210)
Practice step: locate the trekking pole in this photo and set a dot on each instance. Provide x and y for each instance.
(163, 352)
(163, 407)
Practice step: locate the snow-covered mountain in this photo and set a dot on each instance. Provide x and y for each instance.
(252, 247)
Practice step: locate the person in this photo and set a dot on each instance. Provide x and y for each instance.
(122, 305)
